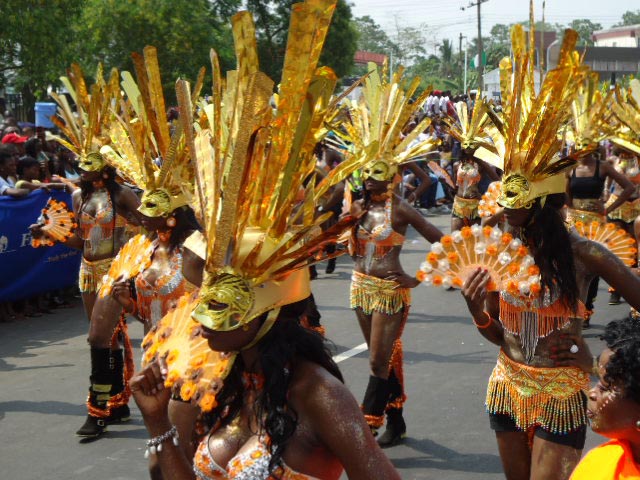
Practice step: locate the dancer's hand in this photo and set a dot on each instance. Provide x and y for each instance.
(150, 393)
(474, 291)
(563, 357)
(36, 230)
(403, 279)
(121, 293)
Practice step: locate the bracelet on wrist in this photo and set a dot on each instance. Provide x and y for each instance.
(154, 444)
(487, 324)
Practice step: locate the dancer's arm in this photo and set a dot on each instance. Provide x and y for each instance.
(620, 179)
(484, 306)
(413, 217)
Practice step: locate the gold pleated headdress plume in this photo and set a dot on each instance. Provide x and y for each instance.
(471, 129)
(84, 128)
(251, 164)
(627, 110)
(373, 132)
(593, 118)
(144, 147)
(530, 123)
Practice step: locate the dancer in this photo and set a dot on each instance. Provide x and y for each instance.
(380, 288)
(614, 407)
(170, 269)
(585, 183)
(536, 394)
(270, 415)
(469, 130)
(102, 208)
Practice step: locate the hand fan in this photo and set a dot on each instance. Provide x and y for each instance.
(488, 205)
(57, 224)
(193, 369)
(133, 258)
(452, 260)
(615, 239)
(441, 173)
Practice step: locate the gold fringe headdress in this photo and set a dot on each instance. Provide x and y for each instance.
(627, 110)
(85, 127)
(251, 161)
(373, 132)
(530, 123)
(145, 150)
(471, 130)
(592, 116)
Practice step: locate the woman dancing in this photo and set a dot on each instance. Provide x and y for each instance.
(536, 394)
(270, 415)
(380, 288)
(469, 130)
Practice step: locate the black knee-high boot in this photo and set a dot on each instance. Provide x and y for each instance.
(375, 400)
(119, 410)
(99, 393)
(396, 427)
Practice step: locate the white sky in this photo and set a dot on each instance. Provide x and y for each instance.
(444, 19)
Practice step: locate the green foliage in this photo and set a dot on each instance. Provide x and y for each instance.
(272, 24)
(629, 18)
(585, 29)
(372, 38)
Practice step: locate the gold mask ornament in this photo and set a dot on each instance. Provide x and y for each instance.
(160, 203)
(379, 170)
(92, 162)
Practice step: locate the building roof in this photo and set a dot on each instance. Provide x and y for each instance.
(363, 57)
(617, 32)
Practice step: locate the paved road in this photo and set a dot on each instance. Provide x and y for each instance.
(44, 370)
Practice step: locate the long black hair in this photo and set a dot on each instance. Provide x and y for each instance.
(280, 351)
(186, 224)
(550, 240)
(108, 176)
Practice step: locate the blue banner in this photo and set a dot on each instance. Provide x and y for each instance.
(27, 271)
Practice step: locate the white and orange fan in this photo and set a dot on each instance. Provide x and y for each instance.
(193, 369)
(615, 239)
(488, 205)
(57, 223)
(133, 258)
(440, 172)
(452, 260)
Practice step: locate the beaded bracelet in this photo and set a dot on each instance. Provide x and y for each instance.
(155, 444)
(484, 325)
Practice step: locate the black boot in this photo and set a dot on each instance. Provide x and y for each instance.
(99, 392)
(375, 401)
(120, 413)
(396, 429)
(331, 265)
(614, 298)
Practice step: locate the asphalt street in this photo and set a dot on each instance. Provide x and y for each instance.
(44, 371)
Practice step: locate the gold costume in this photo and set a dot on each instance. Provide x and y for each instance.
(551, 398)
(91, 274)
(466, 208)
(585, 210)
(627, 212)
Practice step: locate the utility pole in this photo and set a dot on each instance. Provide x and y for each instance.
(479, 66)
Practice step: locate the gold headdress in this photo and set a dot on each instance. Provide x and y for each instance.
(592, 116)
(471, 130)
(373, 133)
(530, 123)
(627, 110)
(146, 151)
(84, 129)
(251, 162)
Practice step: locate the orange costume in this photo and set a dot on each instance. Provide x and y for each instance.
(610, 461)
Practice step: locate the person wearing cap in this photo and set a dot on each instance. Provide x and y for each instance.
(536, 397)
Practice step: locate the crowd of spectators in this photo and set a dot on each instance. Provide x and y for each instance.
(29, 160)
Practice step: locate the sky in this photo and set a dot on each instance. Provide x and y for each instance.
(444, 19)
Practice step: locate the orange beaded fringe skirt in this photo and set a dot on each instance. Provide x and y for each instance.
(550, 398)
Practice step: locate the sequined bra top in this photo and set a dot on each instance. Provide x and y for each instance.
(375, 244)
(157, 298)
(533, 319)
(250, 464)
(468, 175)
(99, 227)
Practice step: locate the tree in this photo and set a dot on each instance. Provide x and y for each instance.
(629, 18)
(585, 29)
(182, 30)
(372, 38)
(272, 24)
(446, 58)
